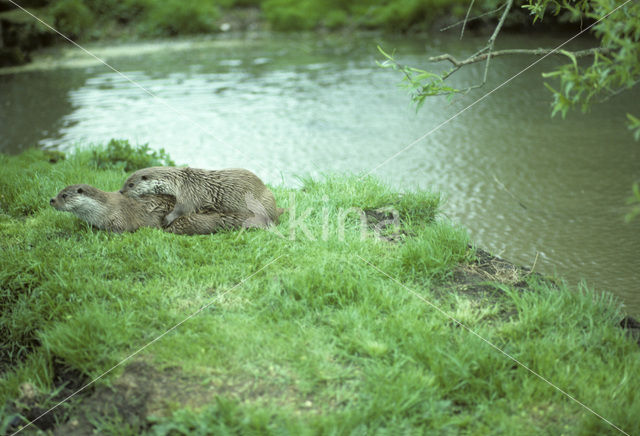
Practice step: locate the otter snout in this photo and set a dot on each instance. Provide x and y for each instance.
(52, 201)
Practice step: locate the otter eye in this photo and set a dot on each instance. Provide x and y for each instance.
(80, 191)
(64, 195)
(144, 177)
(130, 185)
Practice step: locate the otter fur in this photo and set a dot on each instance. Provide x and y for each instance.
(233, 190)
(117, 213)
(205, 223)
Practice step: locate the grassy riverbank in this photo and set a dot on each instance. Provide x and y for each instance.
(301, 336)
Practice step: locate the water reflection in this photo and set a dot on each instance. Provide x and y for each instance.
(34, 106)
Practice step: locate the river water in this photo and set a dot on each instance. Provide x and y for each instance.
(531, 188)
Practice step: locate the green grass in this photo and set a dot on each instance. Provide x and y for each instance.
(318, 342)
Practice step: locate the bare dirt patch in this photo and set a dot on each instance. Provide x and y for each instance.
(33, 405)
(483, 281)
(141, 392)
(632, 327)
(483, 275)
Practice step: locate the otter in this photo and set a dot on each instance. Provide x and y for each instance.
(205, 223)
(233, 190)
(117, 213)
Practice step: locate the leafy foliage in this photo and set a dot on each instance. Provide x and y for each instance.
(634, 201)
(118, 153)
(87, 18)
(72, 17)
(611, 72)
(173, 17)
(634, 125)
(420, 83)
(121, 10)
(615, 67)
(82, 18)
(292, 15)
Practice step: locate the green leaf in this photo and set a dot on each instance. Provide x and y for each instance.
(426, 75)
(551, 74)
(634, 125)
(570, 56)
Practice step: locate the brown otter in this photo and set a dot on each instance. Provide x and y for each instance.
(205, 223)
(233, 190)
(118, 213)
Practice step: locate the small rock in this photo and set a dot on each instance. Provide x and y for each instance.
(28, 392)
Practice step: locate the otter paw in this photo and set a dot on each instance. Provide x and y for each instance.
(167, 220)
(257, 222)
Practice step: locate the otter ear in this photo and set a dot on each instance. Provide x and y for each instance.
(80, 191)
(144, 177)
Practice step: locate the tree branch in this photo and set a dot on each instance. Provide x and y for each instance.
(471, 19)
(618, 91)
(536, 52)
(466, 17)
(492, 40)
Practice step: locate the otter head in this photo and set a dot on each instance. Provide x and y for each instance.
(147, 181)
(69, 197)
(83, 201)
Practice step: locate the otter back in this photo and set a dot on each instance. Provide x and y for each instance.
(232, 190)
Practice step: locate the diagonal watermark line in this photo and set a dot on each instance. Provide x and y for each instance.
(218, 297)
(175, 110)
(416, 294)
(506, 82)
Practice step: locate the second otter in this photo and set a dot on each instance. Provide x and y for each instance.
(224, 191)
(117, 213)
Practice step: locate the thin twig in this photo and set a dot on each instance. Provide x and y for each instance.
(471, 19)
(493, 38)
(534, 263)
(618, 91)
(466, 17)
(450, 72)
(535, 52)
(509, 192)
